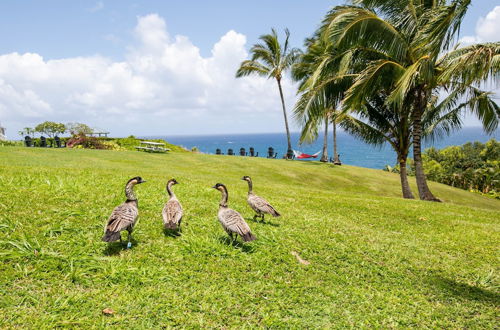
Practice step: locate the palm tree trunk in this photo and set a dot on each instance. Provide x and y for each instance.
(284, 115)
(324, 156)
(423, 190)
(336, 159)
(405, 186)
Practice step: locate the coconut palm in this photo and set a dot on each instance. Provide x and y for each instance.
(409, 46)
(316, 106)
(375, 123)
(271, 59)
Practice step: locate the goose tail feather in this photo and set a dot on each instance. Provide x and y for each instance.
(111, 236)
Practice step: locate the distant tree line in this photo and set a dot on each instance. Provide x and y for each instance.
(52, 129)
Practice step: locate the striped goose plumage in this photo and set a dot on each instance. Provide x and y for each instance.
(257, 203)
(172, 211)
(232, 221)
(124, 216)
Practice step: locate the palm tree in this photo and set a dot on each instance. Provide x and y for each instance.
(409, 46)
(271, 59)
(375, 123)
(316, 107)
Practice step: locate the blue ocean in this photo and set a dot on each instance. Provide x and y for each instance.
(351, 150)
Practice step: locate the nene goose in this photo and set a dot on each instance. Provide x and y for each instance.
(232, 221)
(172, 212)
(258, 204)
(124, 216)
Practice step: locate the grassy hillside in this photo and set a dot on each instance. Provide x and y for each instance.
(375, 259)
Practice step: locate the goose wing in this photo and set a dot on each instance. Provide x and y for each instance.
(234, 222)
(172, 212)
(259, 203)
(122, 217)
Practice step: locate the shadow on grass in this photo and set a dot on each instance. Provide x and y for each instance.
(114, 248)
(465, 291)
(263, 222)
(244, 247)
(172, 232)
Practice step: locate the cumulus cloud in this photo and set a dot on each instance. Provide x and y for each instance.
(487, 28)
(164, 86)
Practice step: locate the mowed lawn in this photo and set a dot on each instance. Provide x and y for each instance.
(376, 260)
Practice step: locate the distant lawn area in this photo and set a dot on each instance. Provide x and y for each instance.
(376, 260)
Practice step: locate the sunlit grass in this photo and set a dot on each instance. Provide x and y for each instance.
(375, 259)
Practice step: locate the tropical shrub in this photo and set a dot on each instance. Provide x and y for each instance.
(87, 142)
(472, 166)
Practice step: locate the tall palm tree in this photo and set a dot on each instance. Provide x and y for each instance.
(271, 59)
(313, 109)
(409, 42)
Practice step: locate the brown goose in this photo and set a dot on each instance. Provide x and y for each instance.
(232, 221)
(124, 216)
(257, 203)
(172, 212)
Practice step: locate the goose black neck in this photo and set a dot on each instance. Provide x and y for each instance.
(129, 192)
(225, 196)
(169, 189)
(250, 186)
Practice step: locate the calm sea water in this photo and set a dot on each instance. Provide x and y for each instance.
(352, 151)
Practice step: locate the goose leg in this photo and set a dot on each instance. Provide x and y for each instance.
(254, 217)
(129, 244)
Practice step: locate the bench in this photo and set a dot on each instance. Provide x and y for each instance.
(152, 147)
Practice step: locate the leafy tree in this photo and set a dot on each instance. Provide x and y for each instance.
(271, 59)
(79, 129)
(407, 45)
(27, 131)
(50, 128)
(472, 166)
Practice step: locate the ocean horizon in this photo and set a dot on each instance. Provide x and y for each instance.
(352, 151)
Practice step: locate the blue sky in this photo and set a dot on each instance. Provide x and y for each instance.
(85, 61)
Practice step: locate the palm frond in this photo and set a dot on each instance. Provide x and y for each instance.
(375, 77)
(470, 65)
(420, 72)
(249, 67)
(349, 27)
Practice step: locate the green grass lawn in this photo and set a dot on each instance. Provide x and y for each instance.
(376, 260)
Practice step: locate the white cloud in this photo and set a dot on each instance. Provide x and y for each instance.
(164, 86)
(487, 28)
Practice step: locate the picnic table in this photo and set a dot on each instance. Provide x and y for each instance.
(152, 147)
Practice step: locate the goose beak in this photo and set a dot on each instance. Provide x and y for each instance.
(142, 181)
(215, 187)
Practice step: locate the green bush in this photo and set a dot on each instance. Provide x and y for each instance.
(472, 166)
(8, 143)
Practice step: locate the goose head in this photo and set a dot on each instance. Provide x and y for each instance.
(246, 178)
(136, 180)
